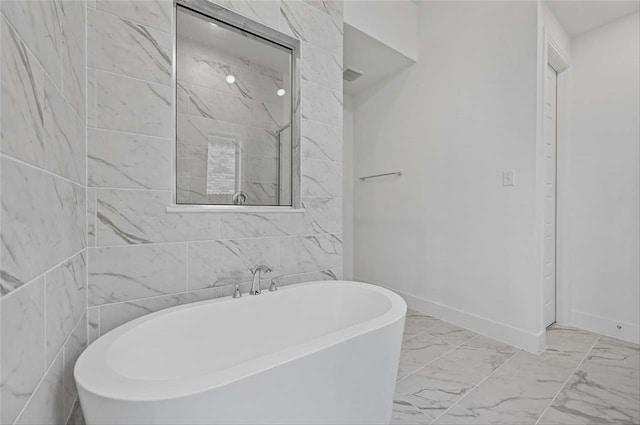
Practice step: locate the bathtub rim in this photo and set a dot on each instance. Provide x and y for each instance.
(193, 386)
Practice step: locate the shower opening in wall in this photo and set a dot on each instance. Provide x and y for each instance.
(237, 129)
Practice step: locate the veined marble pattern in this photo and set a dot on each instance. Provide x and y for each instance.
(133, 216)
(46, 406)
(38, 124)
(73, 55)
(41, 226)
(321, 178)
(311, 24)
(130, 161)
(263, 11)
(318, 141)
(92, 201)
(136, 271)
(22, 354)
(153, 13)
(320, 66)
(75, 345)
(109, 39)
(251, 225)
(515, 387)
(229, 262)
(321, 104)
(321, 215)
(133, 106)
(310, 253)
(38, 24)
(66, 292)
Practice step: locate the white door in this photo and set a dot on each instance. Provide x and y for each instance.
(549, 250)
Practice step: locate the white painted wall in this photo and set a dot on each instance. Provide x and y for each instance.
(602, 188)
(555, 29)
(347, 189)
(390, 22)
(447, 234)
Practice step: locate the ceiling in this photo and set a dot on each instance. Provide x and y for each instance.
(580, 16)
(375, 59)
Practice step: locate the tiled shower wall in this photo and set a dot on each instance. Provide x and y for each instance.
(43, 192)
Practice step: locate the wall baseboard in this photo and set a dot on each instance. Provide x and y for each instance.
(607, 327)
(533, 343)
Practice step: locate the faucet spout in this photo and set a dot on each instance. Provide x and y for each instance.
(255, 285)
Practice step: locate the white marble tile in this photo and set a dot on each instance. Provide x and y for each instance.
(320, 66)
(130, 161)
(75, 345)
(230, 262)
(92, 98)
(76, 417)
(418, 351)
(436, 387)
(451, 334)
(605, 388)
(320, 141)
(321, 215)
(334, 8)
(154, 13)
(114, 315)
(134, 106)
(93, 323)
(46, 404)
(73, 15)
(92, 200)
(264, 11)
(250, 225)
(321, 104)
(38, 23)
(125, 47)
(22, 347)
(66, 298)
(137, 216)
(310, 24)
(416, 323)
(43, 222)
(73, 215)
(38, 125)
(138, 271)
(517, 393)
(310, 253)
(321, 178)
(569, 340)
(73, 57)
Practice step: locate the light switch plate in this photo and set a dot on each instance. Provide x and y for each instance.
(509, 178)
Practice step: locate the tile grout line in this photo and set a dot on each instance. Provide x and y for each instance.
(567, 380)
(60, 352)
(476, 386)
(440, 356)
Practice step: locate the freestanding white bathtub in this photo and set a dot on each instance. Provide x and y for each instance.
(314, 353)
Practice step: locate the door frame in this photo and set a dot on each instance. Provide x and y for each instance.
(554, 55)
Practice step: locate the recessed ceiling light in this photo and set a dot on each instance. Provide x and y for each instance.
(280, 92)
(230, 79)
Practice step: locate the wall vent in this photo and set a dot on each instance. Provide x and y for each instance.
(351, 74)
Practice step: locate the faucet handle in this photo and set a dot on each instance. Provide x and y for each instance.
(273, 286)
(236, 292)
(261, 268)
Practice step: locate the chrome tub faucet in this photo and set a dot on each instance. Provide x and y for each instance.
(255, 286)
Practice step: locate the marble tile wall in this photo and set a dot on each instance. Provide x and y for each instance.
(142, 258)
(43, 229)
